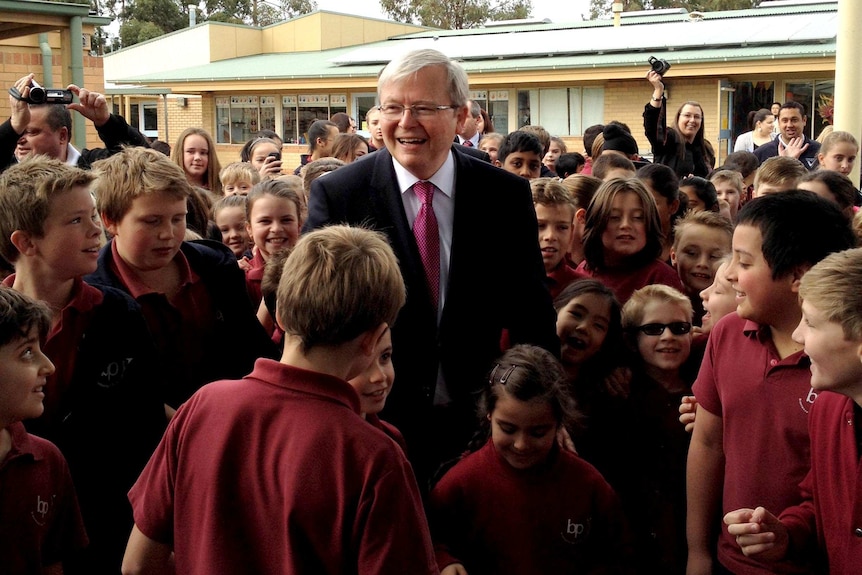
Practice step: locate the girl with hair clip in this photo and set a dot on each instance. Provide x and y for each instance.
(623, 239)
(682, 146)
(195, 153)
(264, 154)
(520, 503)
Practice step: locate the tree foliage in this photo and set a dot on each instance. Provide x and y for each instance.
(455, 14)
(602, 8)
(256, 12)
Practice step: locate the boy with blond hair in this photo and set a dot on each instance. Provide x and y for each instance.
(826, 519)
(271, 504)
(103, 394)
(238, 178)
(729, 187)
(40, 525)
(192, 294)
(778, 174)
(754, 385)
(555, 211)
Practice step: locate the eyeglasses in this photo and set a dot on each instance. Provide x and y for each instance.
(418, 111)
(676, 328)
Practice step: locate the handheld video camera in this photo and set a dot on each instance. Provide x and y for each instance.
(659, 65)
(39, 95)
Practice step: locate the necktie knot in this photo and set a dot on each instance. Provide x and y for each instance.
(424, 191)
(468, 143)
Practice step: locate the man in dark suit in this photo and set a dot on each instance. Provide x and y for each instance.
(489, 277)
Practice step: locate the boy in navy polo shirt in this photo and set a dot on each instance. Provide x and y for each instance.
(829, 516)
(750, 442)
(40, 524)
(101, 405)
(192, 294)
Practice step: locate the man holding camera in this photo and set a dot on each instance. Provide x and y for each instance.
(46, 128)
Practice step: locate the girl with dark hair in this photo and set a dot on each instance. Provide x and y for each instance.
(682, 146)
(760, 123)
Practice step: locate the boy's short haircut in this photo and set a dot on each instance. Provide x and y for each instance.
(233, 201)
(590, 134)
(277, 188)
(567, 164)
(780, 171)
(541, 134)
(271, 276)
(519, 141)
(712, 220)
(732, 176)
(551, 192)
(839, 185)
(797, 228)
(832, 287)
(26, 193)
(132, 173)
(337, 283)
(744, 162)
(316, 168)
(238, 172)
(607, 162)
(19, 314)
(633, 309)
(582, 187)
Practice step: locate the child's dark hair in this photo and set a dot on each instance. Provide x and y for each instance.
(840, 186)
(662, 179)
(19, 314)
(590, 134)
(798, 229)
(528, 373)
(519, 141)
(568, 164)
(705, 191)
(605, 360)
(607, 162)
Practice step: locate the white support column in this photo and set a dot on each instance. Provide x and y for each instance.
(848, 73)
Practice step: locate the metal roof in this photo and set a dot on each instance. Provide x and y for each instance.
(785, 31)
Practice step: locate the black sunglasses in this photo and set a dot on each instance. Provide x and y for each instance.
(676, 328)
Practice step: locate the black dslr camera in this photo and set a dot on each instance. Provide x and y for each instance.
(39, 95)
(659, 65)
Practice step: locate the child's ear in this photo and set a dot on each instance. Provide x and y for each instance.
(673, 207)
(581, 216)
(23, 242)
(498, 164)
(110, 225)
(371, 339)
(796, 277)
(673, 256)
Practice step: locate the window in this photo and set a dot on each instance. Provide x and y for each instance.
(561, 111)
(145, 117)
(818, 98)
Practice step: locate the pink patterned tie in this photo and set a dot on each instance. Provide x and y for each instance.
(428, 237)
(468, 143)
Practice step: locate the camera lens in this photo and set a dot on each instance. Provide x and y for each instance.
(37, 95)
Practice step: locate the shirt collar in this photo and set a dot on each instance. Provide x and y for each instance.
(443, 179)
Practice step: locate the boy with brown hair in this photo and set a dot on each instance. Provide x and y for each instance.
(555, 212)
(778, 174)
(751, 361)
(104, 393)
(192, 294)
(40, 525)
(257, 444)
(826, 519)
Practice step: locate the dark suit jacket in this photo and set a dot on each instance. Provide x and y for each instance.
(496, 277)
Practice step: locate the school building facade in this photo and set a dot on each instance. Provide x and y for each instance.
(234, 80)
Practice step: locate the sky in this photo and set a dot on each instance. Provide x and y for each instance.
(556, 10)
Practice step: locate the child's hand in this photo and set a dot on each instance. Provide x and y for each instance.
(271, 168)
(758, 533)
(688, 411)
(617, 382)
(454, 569)
(244, 264)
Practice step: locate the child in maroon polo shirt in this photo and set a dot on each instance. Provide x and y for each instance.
(829, 516)
(40, 524)
(101, 406)
(192, 294)
(750, 441)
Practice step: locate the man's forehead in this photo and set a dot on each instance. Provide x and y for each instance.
(789, 113)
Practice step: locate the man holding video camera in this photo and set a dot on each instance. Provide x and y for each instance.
(46, 128)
